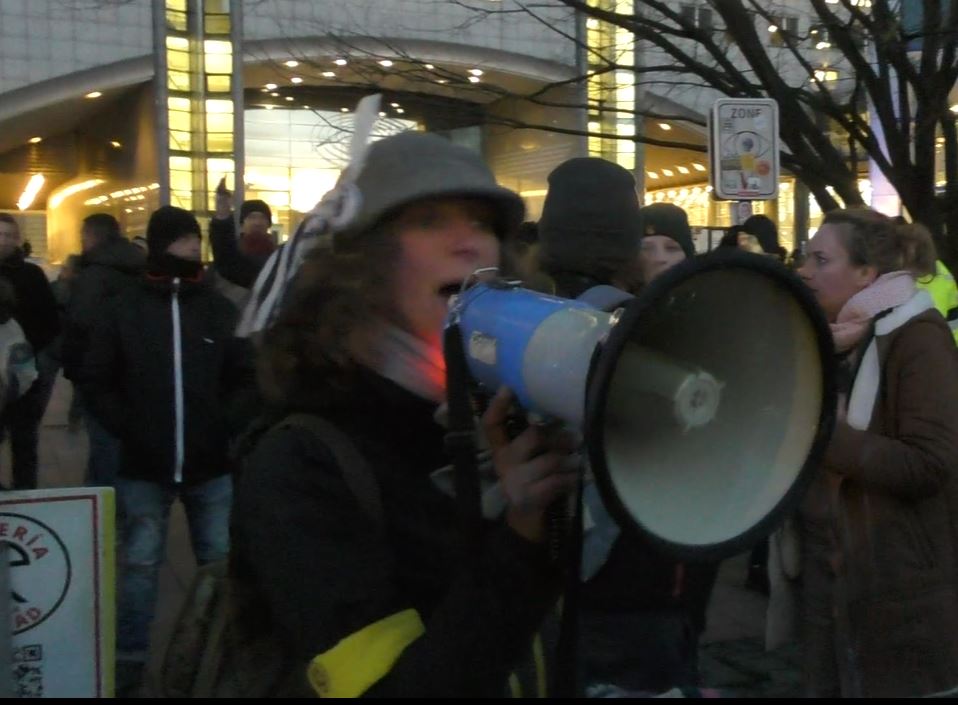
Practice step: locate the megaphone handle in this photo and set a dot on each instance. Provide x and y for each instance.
(567, 542)
(461, 445)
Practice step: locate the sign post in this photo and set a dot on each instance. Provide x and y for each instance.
(744, 152)
(59, 545)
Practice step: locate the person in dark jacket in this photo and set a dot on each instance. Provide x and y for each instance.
(400, 611)
(240, 259)
(36, 312)
(763, 229)
(640, 611)
(109, 265)
(879, 522)
(158, 373)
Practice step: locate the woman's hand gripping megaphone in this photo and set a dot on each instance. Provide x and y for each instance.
(536, 468)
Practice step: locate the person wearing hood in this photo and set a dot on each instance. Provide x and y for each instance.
(36, 313)
(108, 266)
(158, 375)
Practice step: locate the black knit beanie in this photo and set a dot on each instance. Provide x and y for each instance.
(590, 219)
(669, 220)
(168, 224)
(762, 227)
(255, 206)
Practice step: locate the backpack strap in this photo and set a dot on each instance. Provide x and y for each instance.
(355, 470)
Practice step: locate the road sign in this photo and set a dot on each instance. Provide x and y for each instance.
(743, 149)
(60, 547)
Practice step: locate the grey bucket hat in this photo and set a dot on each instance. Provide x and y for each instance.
(413, 166)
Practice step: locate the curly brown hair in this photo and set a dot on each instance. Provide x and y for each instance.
(329, 324)
(873, 239)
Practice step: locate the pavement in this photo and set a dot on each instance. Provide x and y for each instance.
(732, 658)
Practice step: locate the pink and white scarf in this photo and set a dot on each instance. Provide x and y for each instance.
(888, 291)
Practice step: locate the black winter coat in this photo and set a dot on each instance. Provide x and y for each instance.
(320, 572)
(107, 270)
(36, 309)
(231, 263)
(169, 410)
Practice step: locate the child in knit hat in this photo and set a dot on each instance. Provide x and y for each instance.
(666, 239)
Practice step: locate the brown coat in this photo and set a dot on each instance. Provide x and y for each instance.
(881, 594)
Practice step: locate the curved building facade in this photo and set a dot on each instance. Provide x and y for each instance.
(122, 106)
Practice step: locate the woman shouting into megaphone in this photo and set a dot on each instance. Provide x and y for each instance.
(342, 541)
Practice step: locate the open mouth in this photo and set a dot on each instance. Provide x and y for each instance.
(449, 293)
(447, 290)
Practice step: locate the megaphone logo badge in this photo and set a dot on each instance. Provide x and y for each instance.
(39, 570)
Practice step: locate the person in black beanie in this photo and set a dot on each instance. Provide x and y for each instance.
(160, 369)
(239, 260)
(589, 230)
(764, 230)
(637, 623)
(666, 239)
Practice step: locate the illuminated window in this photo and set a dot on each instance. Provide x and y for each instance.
(825, 74)
(181, 141)
(180, 122)
(219, 142)
(218, 84)
(178, 81)
(698, 16)
(217, 24)
(784, 27)
(218, 106)
(219, 63)
(176, 20)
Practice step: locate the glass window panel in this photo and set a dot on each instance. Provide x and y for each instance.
(216, 169)
(181, 199)
(218, 84)
(218, 24)
(176, 5)
(217, 46)
(217, 6)
(181, 180)
(219, 106)
(181, 104)
(178, 80)
(176, 20)
(181, 141)
(178, 43)
(219, 142)
(178, 60)
(217, 122)
(219, 63)
(180, 121)
(181, 164)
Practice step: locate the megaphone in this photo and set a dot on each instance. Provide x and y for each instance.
(705, 403)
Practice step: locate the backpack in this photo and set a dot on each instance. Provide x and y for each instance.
(206, 657)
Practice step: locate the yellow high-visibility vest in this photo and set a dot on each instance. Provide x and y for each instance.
(944, 293)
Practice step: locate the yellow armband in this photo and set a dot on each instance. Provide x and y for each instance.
(357, 662)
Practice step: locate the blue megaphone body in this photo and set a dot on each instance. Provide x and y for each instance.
(511, 337)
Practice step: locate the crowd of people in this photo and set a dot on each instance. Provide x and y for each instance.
(345, 552)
